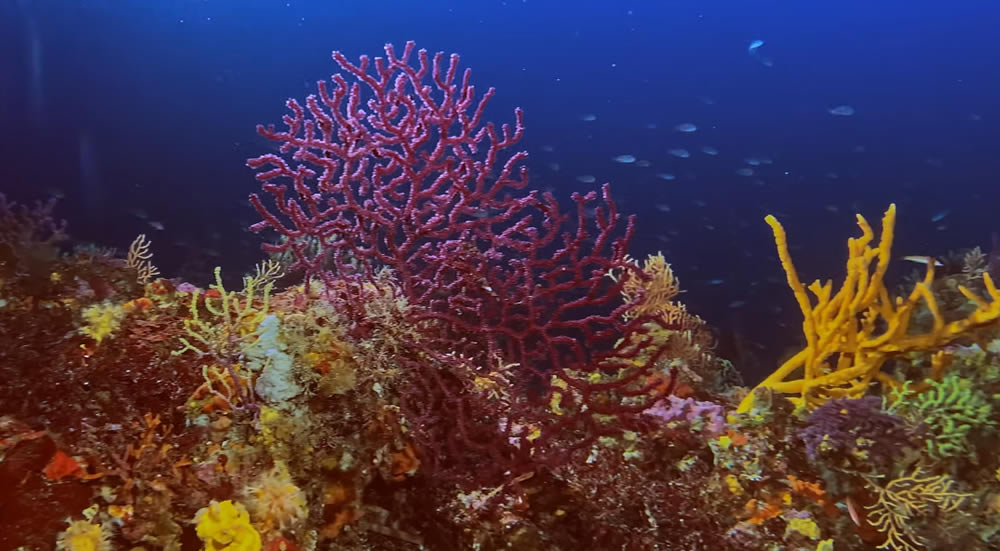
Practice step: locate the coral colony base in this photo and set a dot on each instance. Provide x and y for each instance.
(435, 357)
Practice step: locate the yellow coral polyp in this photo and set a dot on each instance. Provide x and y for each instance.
(852, 332)
(275, 500)
(83, 535)
(226, 526)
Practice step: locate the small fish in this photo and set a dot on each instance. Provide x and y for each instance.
(744, 171)
(554, 167)
(940, 216)
(754, 45)
(666, 176)
(716, 281)
(852, 509)
(680, 153)
(663, 207)
(624, 159)
(922, 260)
(586, 179)
(737, 303)
(841, 111)
(643, 163)
(752, 161)
(589, 117)
(686, 127)
(709, 150)
(548, 148)
(157, 225)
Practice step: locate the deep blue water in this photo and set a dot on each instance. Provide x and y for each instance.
(128, 105)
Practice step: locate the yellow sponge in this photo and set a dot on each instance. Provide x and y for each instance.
(226, 527)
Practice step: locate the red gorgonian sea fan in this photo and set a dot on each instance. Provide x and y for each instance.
(396, 169)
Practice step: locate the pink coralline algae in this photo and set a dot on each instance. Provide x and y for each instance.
(397, 169)
(707, 417)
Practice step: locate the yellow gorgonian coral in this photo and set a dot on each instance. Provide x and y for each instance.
(908, 497)
(653, 296)
(656, 292)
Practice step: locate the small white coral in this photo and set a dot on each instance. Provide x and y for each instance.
(275, 501)
(277, 382)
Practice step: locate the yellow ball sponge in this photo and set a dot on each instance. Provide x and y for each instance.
(226, 527)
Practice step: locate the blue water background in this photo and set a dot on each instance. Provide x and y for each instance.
(125, 106)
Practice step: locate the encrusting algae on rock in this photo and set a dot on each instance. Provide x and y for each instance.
(449, 367)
